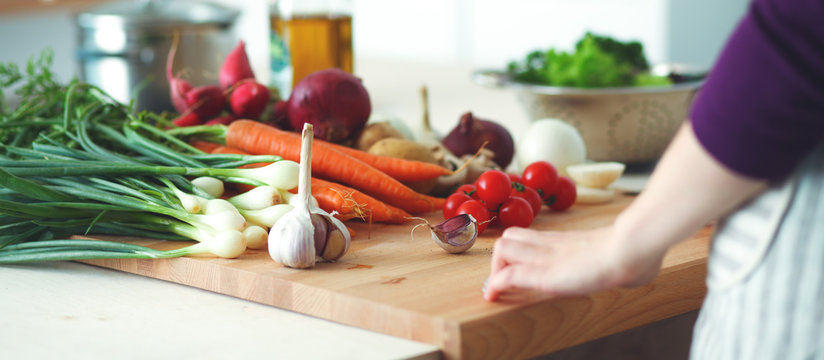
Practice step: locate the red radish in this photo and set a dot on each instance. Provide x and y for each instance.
(222, 120)
(249, 99)
(235, 67)
(206, 101)
(188, 119)
(333, 101)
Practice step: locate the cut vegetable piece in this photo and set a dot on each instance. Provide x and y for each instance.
(597, 175)
(588, 195)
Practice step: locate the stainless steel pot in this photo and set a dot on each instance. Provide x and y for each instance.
(123, 47)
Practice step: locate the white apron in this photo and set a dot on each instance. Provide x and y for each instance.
(766, 275)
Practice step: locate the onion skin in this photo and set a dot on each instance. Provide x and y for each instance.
(472, 132)
(335, 102)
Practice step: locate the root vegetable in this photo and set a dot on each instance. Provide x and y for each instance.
(333, 101)
(588, 195)
(471, 133)
(235, 67)
(375, 132)
(249, 99)
(205, 101)
(407, 150)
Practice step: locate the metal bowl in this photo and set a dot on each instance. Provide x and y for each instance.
(632, 125)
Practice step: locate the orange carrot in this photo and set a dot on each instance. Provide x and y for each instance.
(348, 202)
(397, 168)
(351, 203)
(205, 146)
(258, 138)
(400, 169)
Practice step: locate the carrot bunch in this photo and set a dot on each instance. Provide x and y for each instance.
(353, 183)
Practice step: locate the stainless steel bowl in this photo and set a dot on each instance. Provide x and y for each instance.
(628, 124)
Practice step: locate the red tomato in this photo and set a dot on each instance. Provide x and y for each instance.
(564, 195)
(493, 187)
(478, 211)
(530, 195)
(541, 176)
(516, 211)
(450, 206)
(515, 177)
(468, 189)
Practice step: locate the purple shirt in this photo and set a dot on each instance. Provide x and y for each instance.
(761, 109)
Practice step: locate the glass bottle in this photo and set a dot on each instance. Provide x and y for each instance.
(307, 36)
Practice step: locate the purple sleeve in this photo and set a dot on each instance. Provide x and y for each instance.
(761, 109)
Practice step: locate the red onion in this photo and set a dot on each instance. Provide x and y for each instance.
(333, 101)
(472, 132)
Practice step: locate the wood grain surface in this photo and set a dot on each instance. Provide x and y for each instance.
(403, 285)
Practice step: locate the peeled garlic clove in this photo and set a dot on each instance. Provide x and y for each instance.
(457, 234)
(596, 175)
(588, 195)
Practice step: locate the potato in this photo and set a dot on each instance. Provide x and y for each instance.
(373, 132)
(409, 150)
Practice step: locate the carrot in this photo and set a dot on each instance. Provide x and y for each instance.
(395, 167)
(400, 169)
(329, 163)
(348, 202)
(351, 203)
(205, 146)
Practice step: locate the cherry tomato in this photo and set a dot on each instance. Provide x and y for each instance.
(530, 195)
(541, 176)
(450, 206)
(564, 195)
(468, 189)
(478, 211)
(493, 187)
(516, 211)
(515, 178)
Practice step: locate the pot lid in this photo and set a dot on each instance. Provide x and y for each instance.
(156, 13)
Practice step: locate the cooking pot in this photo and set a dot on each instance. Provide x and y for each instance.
(123, 47)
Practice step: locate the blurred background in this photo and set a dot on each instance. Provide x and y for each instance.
(479, 33)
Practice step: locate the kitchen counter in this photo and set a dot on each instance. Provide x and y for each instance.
(74, 310)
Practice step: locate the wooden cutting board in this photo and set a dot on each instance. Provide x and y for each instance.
(405, 286)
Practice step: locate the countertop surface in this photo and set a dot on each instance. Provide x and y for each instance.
(77, 311)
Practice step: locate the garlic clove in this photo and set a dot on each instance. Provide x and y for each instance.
(291, 240)
(321, 233)
(457, 234)
(336, 245)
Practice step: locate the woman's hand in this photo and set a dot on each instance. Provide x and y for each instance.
(551, 263)
(688, 189)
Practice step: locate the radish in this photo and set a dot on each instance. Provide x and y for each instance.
(335, 102)
(222, 120)
(235, 67)
(188, 119)
(205, 101)
(249, 99)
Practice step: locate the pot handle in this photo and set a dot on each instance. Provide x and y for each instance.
(491, 78)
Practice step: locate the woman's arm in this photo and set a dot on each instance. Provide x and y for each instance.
(688, 189)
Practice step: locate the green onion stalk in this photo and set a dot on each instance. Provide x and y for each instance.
(74, 161)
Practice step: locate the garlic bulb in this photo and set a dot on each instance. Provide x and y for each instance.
(307, 232)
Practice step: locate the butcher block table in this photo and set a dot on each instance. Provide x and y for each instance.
(395, 294)
(398, 282)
